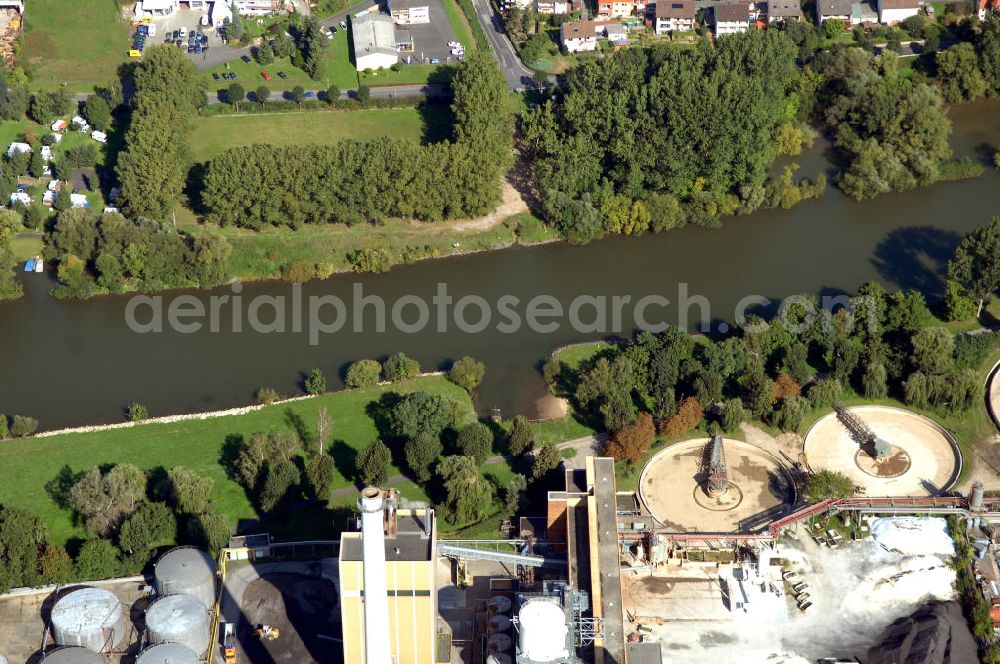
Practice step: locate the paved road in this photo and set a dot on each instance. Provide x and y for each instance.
(585, 445)
(518, 76)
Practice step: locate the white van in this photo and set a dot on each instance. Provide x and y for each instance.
(184, 33)
(151, 29)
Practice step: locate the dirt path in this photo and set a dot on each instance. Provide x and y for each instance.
(785, 446)
(512, 203)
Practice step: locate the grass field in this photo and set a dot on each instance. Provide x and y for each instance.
(212, 135)
(407, 75)
(79, 43)
(27, 465)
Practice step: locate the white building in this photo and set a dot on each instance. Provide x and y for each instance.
(579, 36)
(374, 39)
(553, 6)
(894, 11)
(783, 10)
(673, 15)
(218, 10)
(731, 19)
(409, 12)
(838, 9)
(153, 8)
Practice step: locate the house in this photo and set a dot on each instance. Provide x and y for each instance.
(673, 15)
(374, 39)
(616, 33)
(553, 6)
(731, 18)
(987, 7)
(838, 9)
(579, 36)
(615, 8)
(17, 147)
(409, 12)
(895, 11)
(783, 10)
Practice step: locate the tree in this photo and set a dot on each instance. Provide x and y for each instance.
(332, 94)
(151, 524)
(190, 493)
(957, 304)
(298, 94)
(732, 414)
(97, 560)
(547, 459)
(312, 43)
(467, 373)
(267, 395)
(631, 443)
(323, 426)
(54, 565)
(373, 463)
(262, 94)
(315, 383)
(280, 485)
(959, 76)
(264, 53)
(64, 200)
(825, 392)
(210, 531)
(976, 263)
(513, 493)
(137, 412)
(419, 414)
(790, 412)
(263, 448)
(828, 484)
(105, 499)
(4, 429)
(35, 164)
(476, 441)
(22, 426)
(468, 494)
(522, 436)
(400, 367)
(21, 535)
(319, 476)
(421, 453)
(933, 350)
(97, 112)
(235, 94)
(364, 93)
(233, 28)
(833, 28)
(874, 380)
(689, 415)
(363, 373)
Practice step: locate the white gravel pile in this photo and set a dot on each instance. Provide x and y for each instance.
(910, 581)
(914, 536)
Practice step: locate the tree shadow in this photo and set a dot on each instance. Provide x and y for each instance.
(230, 450)
(345, 460)
(438, 121)
(158, 486)
(295, 421)
(381, 413)
(59, 486)
(915, 258)
(193, 187)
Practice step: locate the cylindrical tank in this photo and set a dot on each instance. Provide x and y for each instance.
(167, 653)
(498, 658)
(88, 617)
(73, 655)
(179, 619)
(499, 604)
(542, 631)
(499, 622)
(978, 491)
(499, 643)
(186, 571)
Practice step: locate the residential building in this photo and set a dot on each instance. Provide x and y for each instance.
(895, 11)
(579, 36)
(553, 6)
(616, 33)
(864, 13)
(409, 12)
(219, 10)
(388, 588)
(731, 18)
(615, 8)
(374, 39)
(838, 9)
(673, 15)
(987, 7)
(783, 10)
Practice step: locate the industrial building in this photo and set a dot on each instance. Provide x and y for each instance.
(374, 39)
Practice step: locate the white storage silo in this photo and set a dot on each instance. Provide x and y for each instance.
(167, 653)
(186, 571)
(73, 655)
(179, 619)
(542, 631)
(88, 617)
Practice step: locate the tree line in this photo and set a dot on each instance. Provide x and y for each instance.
(368, 181)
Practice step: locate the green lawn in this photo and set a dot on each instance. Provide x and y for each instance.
(212, 135)
(250, 76)
(27, 465)
(76, 42)
(573, 356)
(407, 75)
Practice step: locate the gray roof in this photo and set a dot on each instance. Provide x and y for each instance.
(734, 12)
(675, 9)
(833, 7)
(373, 33)
(784, 8)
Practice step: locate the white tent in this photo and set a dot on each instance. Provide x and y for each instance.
(20, 197)
(17, 147)
(79, 200)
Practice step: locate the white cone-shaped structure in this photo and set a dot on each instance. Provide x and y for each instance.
(376, 594)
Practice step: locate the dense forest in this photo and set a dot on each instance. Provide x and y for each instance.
(368, 181)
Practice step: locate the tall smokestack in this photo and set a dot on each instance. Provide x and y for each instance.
(376, 593)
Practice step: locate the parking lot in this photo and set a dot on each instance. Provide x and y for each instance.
(213, 50)
(430, 40)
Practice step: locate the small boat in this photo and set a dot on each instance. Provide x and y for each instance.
(30, 265)
(39, 264)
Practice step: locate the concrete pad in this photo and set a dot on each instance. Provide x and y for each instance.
(933, 461)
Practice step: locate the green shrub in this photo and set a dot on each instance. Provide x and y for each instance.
(400, 367)
(22, 426)
(363, 373)
(137, 412)
(315, 383)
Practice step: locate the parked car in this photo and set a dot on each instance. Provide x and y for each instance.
(435, 61)
(245, 58)
(183, 33)
(190, 48)
(176, 34)
(204, 40)
(282, 75)
(197, 48)
(333, 29)
(215, 76)
(267, 77)
(343, 25)
(310, 94)
(233, 76)
(204, 19)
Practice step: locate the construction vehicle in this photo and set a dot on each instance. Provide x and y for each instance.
(267, 632)
(229, 644)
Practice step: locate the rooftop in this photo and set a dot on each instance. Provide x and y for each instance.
(578, 30)
(900, 4)
(736, 12)
(675, 9)
(373, 33)
(833, 7)
(783, 8)
(410, 543)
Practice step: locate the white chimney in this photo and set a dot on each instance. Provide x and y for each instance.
(376, 593)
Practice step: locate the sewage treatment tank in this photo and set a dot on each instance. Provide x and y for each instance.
(88, 617)
(167, 653)
(186, 571)
(179, 619)
(73, 655)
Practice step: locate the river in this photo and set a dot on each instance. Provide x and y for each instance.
(70, 363)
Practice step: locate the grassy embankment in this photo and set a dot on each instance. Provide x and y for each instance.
(73, 42)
